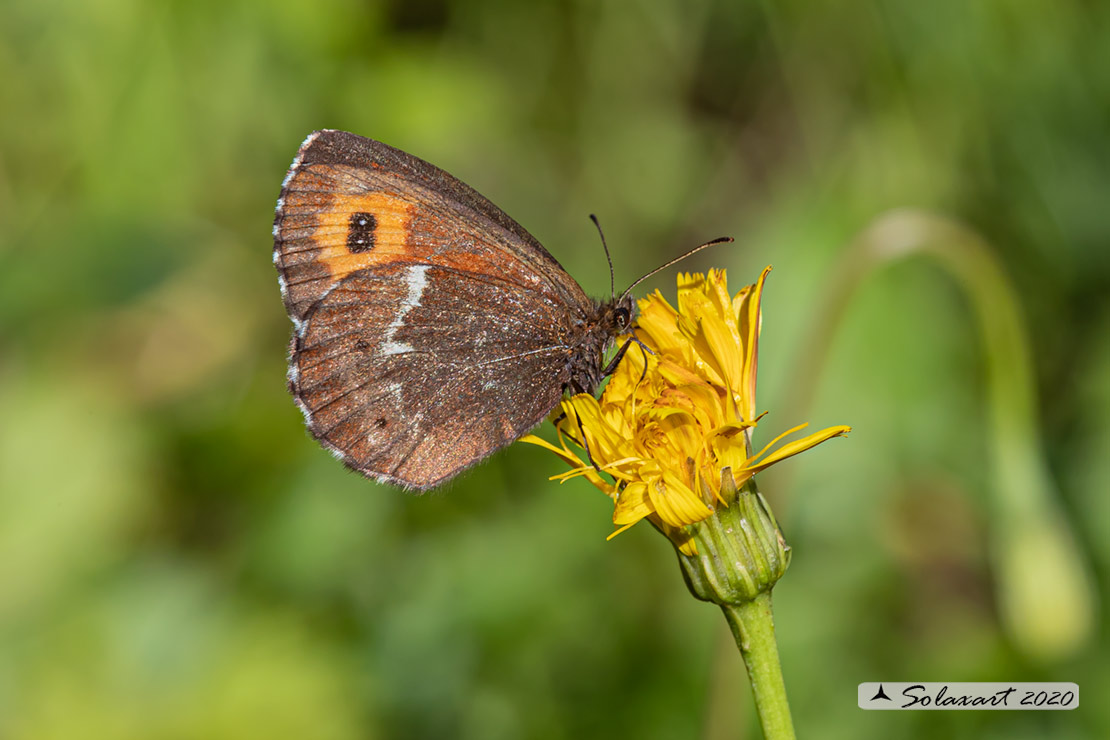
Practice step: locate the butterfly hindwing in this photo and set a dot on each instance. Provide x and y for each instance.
(411, 390)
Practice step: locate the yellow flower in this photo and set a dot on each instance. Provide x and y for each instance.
(669, 422)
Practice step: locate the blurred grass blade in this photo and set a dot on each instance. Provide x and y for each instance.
(1043, 587)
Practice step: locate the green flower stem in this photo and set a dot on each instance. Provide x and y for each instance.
(741, 555)
(753, 626)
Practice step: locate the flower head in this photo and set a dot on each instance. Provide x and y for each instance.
(673, 417)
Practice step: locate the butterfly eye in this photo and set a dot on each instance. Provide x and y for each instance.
(622, 317)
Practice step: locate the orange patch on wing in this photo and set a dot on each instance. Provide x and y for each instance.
(393, 216)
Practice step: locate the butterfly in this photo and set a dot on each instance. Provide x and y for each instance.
(430, 329)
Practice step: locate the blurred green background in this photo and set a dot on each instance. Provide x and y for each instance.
(179, 560)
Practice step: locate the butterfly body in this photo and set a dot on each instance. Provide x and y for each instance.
(430, 329)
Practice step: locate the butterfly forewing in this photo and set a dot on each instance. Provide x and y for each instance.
(349, 203)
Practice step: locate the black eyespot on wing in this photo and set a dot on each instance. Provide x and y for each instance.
(360, 232)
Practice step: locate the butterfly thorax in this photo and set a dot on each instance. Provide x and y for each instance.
(607, 320)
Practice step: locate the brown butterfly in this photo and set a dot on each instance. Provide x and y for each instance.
(430, 329)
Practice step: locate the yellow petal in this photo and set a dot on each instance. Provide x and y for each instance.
(723, 352)
(697, 312)
(749, 320)
(657, 324)
(793, 448)
(677, 374)
(717, 291)
(566, 455)
(675, 503)
(633, 504)
(730, 449)
(605, 442)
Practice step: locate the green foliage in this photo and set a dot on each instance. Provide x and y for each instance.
(179, 560)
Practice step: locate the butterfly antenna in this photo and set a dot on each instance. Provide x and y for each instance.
(676, 260)
(612, 282)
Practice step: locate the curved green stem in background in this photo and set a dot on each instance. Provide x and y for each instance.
(1044, 590)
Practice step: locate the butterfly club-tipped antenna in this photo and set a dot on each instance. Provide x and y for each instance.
(609, 259)
(676, 260)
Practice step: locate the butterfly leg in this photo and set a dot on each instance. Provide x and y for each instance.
(616, 359)
(643, 373)
(612, 366)
(585, 442)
